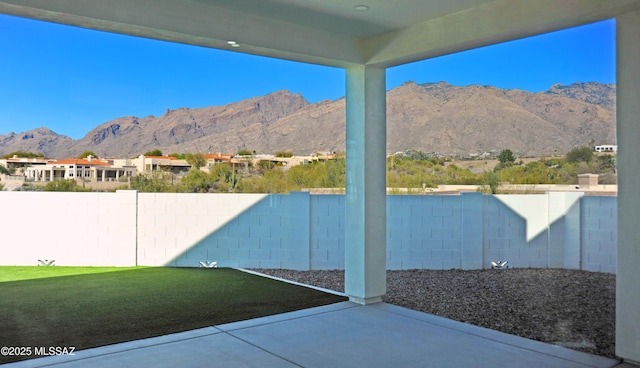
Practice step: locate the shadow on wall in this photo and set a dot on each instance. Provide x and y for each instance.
(526, 238)
(261, 231)
(578, 233)
(300, 231)
(303, 232)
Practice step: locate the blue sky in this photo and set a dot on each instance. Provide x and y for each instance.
(71, 80)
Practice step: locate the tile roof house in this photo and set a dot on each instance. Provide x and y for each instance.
(89, 169)
(144, 163)
(20, 163)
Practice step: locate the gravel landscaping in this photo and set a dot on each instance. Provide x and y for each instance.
(572, 308)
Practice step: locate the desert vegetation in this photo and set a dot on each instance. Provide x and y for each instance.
(22, 154)
(414, 170)
(410, 171)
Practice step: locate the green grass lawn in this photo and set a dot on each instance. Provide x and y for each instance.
(86, 307)
(14, 273)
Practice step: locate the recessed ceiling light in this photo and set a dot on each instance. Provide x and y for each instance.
(361, 7)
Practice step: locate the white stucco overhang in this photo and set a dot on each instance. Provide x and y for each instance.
(365, 43)
(327, 32)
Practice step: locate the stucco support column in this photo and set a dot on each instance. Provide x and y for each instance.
(628, 131)
(366, 216)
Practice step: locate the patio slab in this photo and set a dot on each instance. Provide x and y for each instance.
(338, 335)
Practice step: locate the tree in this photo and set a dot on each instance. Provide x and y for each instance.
(335, 175)
(7, 170)
(606, 162)
(179, 156)
(197, 181)
(23, 154)
(284, 154)
(196, 160)
(245, 153)
(155, 152)
(86, 154)
(579, 154)
(506, 157)
(492, 180)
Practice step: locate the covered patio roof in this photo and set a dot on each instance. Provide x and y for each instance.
(365, 37)
(339, 33)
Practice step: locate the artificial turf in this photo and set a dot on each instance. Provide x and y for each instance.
(110, 305)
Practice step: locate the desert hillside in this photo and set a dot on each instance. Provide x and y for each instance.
(432, 117)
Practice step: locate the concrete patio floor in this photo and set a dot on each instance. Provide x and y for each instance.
(338, 335)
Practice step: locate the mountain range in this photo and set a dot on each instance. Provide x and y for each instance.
(431, 117)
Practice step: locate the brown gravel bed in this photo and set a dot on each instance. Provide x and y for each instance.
(572, 308)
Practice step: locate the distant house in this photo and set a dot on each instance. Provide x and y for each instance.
(89, 169)
(163, 163)
(144, 163)
(287, 162)
(21, 163)
(218, 158)
(606, 148)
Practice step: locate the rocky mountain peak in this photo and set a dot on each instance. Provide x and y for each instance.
(431, 117)
(591, 92)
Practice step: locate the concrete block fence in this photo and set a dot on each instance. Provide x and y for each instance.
(301, 231)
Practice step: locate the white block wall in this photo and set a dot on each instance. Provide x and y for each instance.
(326, 232)
(599, 234)
(248, 230)
(424, 232)
(300, 231)
(74, 229)
(505, 232)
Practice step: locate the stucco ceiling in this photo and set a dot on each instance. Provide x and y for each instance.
(327, 32)
(343, 16)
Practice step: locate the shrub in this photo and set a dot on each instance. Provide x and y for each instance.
(196, 160)
(67, 185)
(29, 188)
(6, 171)
(492, 180)
(86, 154)
(506, 157)
(579, 154)
(155, 152)
(155, 181)
(197, 181)
(23, 154)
